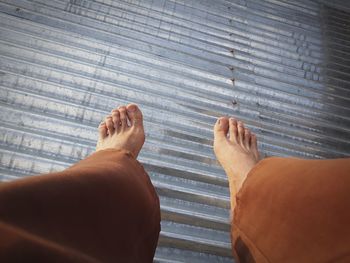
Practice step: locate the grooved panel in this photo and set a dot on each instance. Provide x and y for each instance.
(283, 67)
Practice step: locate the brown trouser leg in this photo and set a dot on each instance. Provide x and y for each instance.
(292, 210)
(103, 209)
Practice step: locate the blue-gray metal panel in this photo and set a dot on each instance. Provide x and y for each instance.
(283, 67)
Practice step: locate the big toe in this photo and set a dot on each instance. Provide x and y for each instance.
(135, 115)
(221, 127)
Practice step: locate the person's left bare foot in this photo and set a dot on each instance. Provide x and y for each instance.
(116, 133)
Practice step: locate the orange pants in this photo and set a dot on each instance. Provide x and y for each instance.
(291, 210)
(103, 209)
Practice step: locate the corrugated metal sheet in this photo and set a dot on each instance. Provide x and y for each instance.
(281, 66)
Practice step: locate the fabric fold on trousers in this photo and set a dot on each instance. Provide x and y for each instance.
(293, 210)
(102, 209)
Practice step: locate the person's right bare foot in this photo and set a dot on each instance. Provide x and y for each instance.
(236, 149)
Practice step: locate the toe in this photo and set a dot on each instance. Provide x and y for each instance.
(102, 130)
(123, 118)
(233, 130)
(135, 115)
(110, 125)
(221, 127)
(254, 146)
(240, 128)
(247, 136)
(116, 120)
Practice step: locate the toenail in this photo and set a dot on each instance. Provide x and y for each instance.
(131, 108)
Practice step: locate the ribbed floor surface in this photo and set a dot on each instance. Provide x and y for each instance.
(283, 67)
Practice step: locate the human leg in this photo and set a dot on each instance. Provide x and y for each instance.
(285, 209)
(102, 209)
(236, 149)
(294, 210)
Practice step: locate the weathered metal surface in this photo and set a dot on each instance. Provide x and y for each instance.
(283, 67)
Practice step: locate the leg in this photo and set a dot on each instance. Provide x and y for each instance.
(288, 210)
(236, 149)
(102, 209)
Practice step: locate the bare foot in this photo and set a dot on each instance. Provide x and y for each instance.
(236, 149)
(122, 130)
